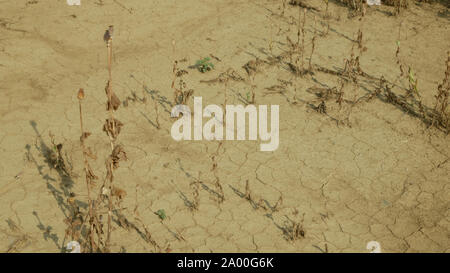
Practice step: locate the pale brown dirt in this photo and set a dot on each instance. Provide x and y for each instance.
(384, 178)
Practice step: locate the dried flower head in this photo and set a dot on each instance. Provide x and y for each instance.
(111, 31)
(108, 34)
(81, 94)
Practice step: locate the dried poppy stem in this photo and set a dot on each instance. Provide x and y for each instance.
(271, 38)
(253, 89)
(112, 129)
(157, 114)
(175, 91)
(313, 45)
(299, 25)
(109, 91)
(303, 36)
(111, 137)
(86, 171)
(225, 100)
(174, 74)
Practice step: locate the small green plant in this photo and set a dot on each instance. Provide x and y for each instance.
(204, 65)
(412, 82)
(161, 214)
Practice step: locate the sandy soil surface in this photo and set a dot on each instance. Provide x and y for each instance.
(365, 170)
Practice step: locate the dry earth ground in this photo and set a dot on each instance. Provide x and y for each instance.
(379, 175)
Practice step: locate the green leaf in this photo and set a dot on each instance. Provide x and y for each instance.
(161, 214)
(204, 64)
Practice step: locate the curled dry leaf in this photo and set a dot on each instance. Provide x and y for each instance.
(252, 66)
(181, 72)
(123, 222)
(90, 153)
(113, 160)
(118, 155)
(84, 136)
(119, 193)
(322, 108)
(114, 103)
(112, 127)
(109, 166)
(90, 173)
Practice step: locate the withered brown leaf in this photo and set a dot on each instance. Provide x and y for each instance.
(119, 193)
(118, 155)
(90, 154)
(112, 127)
(90, 173)
(84, 136)
(114, 103)
(123, 222)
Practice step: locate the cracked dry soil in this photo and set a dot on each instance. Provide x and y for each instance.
(340, 178)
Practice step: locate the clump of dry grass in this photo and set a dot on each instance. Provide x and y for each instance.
(271, 37)
(352, 66)
(252, 68)
(293, 230)
(260, 203)
(313, 46)
(398, 5)
(356, 6)
(302, 4)
(296, 51)
(283, 7)
(219, 189)
(440, 108)
(302, 47)
(327, 17)
(407, 72)
(181, 94)
(411, 102)
(135, 98)
(155, 105)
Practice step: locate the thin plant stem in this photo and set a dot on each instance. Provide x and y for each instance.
(86, 168)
